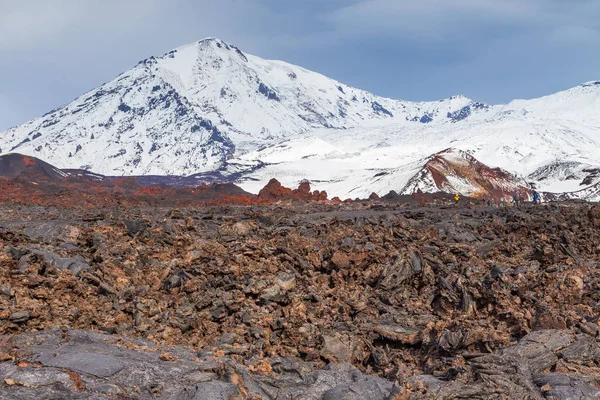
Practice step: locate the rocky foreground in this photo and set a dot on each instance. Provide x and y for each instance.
(368, 300)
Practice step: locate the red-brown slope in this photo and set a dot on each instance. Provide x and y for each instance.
(455, 171)
(14, 164)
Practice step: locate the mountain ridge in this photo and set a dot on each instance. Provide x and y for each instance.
(208, 107)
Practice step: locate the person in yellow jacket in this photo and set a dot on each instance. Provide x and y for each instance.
(456, 198)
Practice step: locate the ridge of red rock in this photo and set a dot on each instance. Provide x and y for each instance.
(482, 181)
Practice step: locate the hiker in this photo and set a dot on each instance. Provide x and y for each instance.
(536, 198)
(517, 199)
(456, 198)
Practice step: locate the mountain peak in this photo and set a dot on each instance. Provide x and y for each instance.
(203, 50)
(214, 42)
(209, 39)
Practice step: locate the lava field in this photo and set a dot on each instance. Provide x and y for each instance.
(431, 300)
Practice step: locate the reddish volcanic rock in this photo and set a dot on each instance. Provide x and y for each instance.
(456, 171)
(155, 191)
(14, 165)
(320, 196)
(304, 188)
(275, 191)
(90, 193)
(27, 180)
(374, 196)
(127, 184)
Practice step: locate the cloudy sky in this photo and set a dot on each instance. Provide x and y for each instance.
(51, 51)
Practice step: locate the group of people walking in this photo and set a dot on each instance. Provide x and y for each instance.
(537, 199)
(516, 200)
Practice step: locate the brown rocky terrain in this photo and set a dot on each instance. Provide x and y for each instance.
(412, 298)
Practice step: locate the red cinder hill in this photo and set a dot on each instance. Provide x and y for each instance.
(456, 171)
(14, 164)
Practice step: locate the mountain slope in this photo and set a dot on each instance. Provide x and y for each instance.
(135, 123)
(457, 171)
(13, 165)
(353, 164)
(178, 114)
(210, 109)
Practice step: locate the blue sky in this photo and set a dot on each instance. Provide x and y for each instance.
(51, 51)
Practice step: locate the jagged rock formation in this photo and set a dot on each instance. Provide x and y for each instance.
(275, 191)
(28, 180)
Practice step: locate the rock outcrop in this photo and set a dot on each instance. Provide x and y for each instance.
(274, 191)
(74, 364)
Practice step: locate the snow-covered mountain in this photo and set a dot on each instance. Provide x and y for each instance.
(555, 151)
(208, 106)
(191, 109)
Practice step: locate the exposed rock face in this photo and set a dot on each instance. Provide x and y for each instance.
(304, 189)
(521, 371)
(50, 260)
(455, 171)
(74, 364)
(30, 181)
